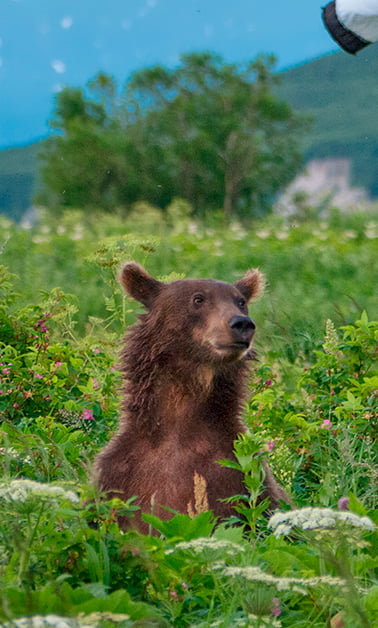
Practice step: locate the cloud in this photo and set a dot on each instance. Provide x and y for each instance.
(58, 87)
(150, 4)
(58, 66)
(66, 22)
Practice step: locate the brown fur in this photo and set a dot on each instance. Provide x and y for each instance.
(185, 372)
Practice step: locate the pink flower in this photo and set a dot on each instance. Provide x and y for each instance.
(95, 383)
(96, 350)
(343, 503)
(88, 415)
(6, 371)
(173, 594)
(268, 382)
(58, 364)
(275, 610)
(39, 376)
(271, 445)
(326, 424)
(16, 406)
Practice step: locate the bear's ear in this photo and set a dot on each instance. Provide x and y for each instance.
(251, 285)
(139, 284)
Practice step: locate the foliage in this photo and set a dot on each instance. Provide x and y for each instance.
(313, 412)
(337, 93)
(337, 96)
(210, 132)
(329, 266)
(327, 424)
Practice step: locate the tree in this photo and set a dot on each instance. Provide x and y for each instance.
(213, 133)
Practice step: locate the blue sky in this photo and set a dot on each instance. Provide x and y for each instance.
(46, 44)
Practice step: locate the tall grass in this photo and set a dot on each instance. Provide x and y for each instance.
(313, 413)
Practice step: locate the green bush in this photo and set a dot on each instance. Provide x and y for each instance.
(312, 412)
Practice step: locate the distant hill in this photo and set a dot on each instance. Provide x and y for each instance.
(339, 91)
(18, 174)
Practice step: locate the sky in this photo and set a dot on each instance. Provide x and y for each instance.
(47, 44)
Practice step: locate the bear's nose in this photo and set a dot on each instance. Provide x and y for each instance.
(243, 327)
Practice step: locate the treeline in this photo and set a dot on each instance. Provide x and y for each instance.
(213, 133)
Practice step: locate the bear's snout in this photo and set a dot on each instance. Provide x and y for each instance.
(242, 328)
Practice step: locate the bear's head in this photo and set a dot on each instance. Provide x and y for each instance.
(206, 320)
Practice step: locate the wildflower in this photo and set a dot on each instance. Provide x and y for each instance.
(6, 371)
(331, 340)
(343, 503)
(282, 523)
(173, 594)
(201, 502)
(39, 621)
(88, 415)
(202, 544)
(95, 383)
(276, 610)
(96, 350)
(22, 490)
(271, 445)
(39, 376)
(16, 406)
(326, 424)
(58, 364)
(299, 585)
(56, 621)
(268, 382)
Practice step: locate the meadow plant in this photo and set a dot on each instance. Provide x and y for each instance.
(313, 414)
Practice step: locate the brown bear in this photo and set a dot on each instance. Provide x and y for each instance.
(185, 367)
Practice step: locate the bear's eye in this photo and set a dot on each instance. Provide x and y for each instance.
(198, 299)
(242, 303)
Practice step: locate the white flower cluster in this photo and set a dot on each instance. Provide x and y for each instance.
(39, 621)
(204, 543)
(255, 574)
(22, 490)
(56, 621)
(11, 452)
(282, 523)
(253, 621)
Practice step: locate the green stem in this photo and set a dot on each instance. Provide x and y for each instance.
(25, 555)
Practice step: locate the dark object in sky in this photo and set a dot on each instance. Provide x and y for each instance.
(353, 24)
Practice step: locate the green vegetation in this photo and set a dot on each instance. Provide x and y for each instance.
(339, 92)
(211, 132)
(312, 412)
(314, 271)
